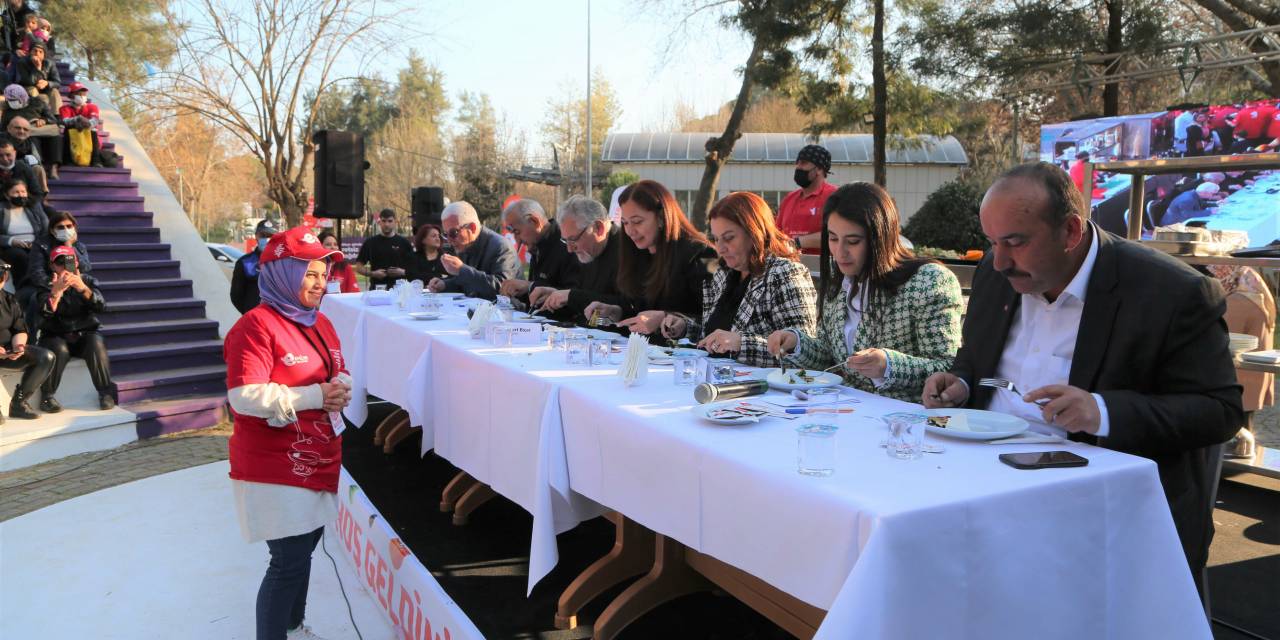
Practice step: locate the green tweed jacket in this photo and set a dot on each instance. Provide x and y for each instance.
(919, 330)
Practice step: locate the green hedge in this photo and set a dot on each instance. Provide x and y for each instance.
(949, 219)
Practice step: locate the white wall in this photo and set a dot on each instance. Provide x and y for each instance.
(908, 184)
(209, 282)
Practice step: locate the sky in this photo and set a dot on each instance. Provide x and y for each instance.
(526, 53)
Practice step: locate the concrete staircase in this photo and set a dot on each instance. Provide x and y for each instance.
(166, 355)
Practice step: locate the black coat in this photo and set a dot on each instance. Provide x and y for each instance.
(1153, 343)
(35, 215)
(551, 264)
(74, 312)
(38, 262)
(12, 320)
(423, 269)
(244, 282)
(34, 109)
(598, 279)
(684, 281)
(26, 74)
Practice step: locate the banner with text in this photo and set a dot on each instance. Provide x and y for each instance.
(408, 594)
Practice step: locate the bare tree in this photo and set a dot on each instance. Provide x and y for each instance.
(248, 68)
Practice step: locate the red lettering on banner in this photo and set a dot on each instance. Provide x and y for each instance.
(369, 554)
(380, 580)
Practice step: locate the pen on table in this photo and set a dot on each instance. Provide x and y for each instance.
(802, 410)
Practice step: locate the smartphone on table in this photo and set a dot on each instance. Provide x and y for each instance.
(1043, 460)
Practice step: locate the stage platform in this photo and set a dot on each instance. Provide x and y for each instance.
(160, 557)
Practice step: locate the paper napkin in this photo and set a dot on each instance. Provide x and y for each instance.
(635, 365)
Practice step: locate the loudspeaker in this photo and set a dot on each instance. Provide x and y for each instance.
(339, 174)
(428, 204)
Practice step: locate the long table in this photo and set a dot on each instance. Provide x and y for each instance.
(949, 545)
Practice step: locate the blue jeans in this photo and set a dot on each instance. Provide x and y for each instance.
(282, 598)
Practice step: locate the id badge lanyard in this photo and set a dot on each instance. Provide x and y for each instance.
(335, 417)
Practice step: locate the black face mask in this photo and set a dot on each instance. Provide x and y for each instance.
(18, 201)
(802, 178)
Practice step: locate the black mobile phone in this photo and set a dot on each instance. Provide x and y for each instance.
(1043, 460)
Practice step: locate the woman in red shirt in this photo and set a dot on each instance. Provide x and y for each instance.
(287, 385)
(341, 271)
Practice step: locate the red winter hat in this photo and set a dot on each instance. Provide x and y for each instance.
(63, 250)
(297, 242)
(76, 86)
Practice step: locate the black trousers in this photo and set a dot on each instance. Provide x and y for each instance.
(282, 596)
(36, 365)
(88, 345)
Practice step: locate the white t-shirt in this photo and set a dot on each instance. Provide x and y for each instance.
(19, 226)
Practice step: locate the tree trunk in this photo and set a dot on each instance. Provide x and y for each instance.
(1238, 21)
(879, 101)
(719, 149)
(1115, 44)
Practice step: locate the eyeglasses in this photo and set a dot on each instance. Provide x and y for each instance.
(453, 233)
(508, 228)
(574, 240)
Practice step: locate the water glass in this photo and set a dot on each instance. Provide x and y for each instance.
(379, 287)
(576, 348)
(720, 371)
(500, 335)
(617, 350)
(906, 436)
(599, 351)
(687, 369)
(816, 449)
(556, 338)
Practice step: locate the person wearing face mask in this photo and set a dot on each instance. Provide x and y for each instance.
(15, 354)
(890, 318)
(69, 303)
(20, 225)
(39, 75)
(28, 152)
(342, 278)
(760, 288)
(13, 168)
(244, 276)
(662, 262)
(81, 115)
(63, 232)
(44, 130)
(800, 214)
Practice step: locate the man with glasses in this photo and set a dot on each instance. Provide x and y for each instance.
(19, 131)
(385, 257)
(550, 264)
(593, 239)
(484, 259)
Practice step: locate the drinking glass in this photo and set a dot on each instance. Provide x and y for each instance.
(599, 350)
(906, 436)
(816, 449)
(556, 337)
(720, 371)
(500, 335)
(617, 350)
(576, 346)
(686, 369)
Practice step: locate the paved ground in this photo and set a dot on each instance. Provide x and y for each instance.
(1266, 424)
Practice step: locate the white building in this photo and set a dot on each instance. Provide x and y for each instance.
(764, 163)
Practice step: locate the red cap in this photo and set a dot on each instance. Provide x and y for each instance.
(63, 250)
(297, 242)
(76, 86)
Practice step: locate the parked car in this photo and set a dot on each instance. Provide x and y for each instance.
(226, 255)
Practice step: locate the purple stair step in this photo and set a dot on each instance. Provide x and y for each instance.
(94, 220)
(129, 312)
(160, 417)
(62, 188)
(108, 271)
(130, 252)
(141, 334)
(171, 383)
(95, 173)
(77, 203)
(100, 236)
(158, 357)
(131, 290)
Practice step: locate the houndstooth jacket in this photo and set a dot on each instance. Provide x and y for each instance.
(781, 297)
(919, 330)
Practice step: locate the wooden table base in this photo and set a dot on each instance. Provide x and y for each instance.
(393, 430)
(631, 555)
(670, 578)
(800, 619)
(454, 490)
(478, 494)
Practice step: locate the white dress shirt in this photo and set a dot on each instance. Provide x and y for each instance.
(852, 320)
(1041, 346)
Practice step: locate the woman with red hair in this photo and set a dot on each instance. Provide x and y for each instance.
(760, 288)
(662, 262)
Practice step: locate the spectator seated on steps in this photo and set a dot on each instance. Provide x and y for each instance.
(13, 168)
(38, 74)
(31, 31)
(69, 304)
(45, 130)
(20, 225)
(80, 115)
(15, 354)
(63, 231)
(12, 24)
(28, 151)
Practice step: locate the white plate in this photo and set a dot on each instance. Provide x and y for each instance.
(664, 355)
(779, 380)
(983, 425)
(705, 411)
(424, 315)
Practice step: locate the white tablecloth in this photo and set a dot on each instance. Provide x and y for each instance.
(954, 545)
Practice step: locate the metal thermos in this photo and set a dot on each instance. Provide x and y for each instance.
(707, 392)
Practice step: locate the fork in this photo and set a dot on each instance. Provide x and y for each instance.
(1008, 385)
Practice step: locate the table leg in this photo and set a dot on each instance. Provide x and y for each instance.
(632, 555)
(478, 494)
(397, 433)
(669, 578)
(454, 490)
(797, 617)
(380, 432)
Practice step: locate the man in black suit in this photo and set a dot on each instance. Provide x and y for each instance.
(1138, 338)
(593, 239)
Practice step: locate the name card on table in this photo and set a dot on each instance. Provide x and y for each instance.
(522, 333)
